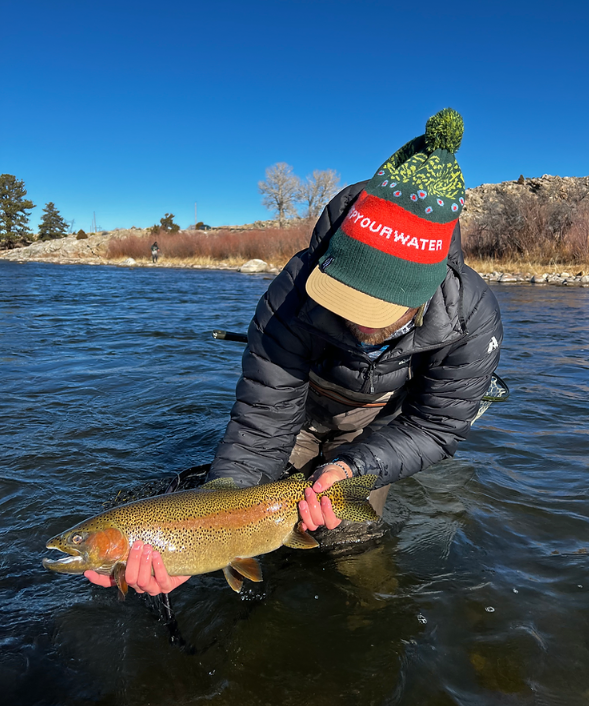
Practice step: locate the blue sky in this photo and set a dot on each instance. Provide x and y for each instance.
(132, 109)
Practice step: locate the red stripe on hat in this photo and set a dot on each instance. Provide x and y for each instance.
(391, 229)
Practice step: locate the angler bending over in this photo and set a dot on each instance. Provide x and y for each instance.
(372, 349)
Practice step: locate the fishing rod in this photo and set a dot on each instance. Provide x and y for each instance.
(229, 336)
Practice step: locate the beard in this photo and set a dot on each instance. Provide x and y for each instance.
(382, 334)
(372, 339)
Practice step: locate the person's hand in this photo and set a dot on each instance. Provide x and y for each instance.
(315, 513)
(145, 572)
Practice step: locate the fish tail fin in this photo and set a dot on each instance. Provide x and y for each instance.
(349, 499)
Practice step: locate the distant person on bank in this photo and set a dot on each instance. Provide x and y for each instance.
(155, 251)
(372, 349)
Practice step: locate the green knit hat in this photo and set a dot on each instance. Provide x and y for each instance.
(390, 253)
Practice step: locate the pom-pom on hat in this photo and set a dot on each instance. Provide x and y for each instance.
(390, 252)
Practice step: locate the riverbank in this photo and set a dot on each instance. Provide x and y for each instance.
(530, 230)
(261, 248)
(94, 249)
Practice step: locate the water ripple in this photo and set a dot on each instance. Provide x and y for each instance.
(477, 595)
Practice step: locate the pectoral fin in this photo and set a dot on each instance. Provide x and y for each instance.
(119, 577)
(298, 539)
(234, 578)
(250, 568)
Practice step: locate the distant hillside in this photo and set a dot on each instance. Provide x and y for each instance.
(544, 189)
(541, 220)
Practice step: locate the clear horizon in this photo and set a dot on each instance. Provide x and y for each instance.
(136, 110)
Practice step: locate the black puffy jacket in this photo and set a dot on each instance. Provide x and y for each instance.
(442, 369)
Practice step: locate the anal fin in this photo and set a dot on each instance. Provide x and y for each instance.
(298, 539)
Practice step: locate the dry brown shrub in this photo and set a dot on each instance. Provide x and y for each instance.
(518, 226)
(274, 245)
(576, 241)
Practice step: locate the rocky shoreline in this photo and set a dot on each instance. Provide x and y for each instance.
(256, 266)
(563, 278)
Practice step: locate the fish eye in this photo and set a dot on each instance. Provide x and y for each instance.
(77, 539)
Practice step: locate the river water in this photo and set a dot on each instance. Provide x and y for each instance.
(478, 594)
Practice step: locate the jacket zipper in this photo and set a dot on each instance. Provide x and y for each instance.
(369, 376)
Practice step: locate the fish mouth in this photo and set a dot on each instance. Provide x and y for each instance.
(74, 563)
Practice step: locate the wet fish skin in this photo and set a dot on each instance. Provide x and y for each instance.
(218, 526)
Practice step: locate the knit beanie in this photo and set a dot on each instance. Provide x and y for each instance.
(391, 250)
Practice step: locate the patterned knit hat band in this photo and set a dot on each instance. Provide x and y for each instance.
(391, 229)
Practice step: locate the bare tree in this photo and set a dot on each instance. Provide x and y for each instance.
(280, 191)
(318, 190)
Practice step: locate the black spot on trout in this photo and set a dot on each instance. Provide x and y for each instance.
(217, 526)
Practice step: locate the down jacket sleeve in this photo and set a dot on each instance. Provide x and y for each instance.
(270, 397)
(442, 400)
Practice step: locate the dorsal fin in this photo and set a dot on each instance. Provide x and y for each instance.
(248, 567)
(220, 484)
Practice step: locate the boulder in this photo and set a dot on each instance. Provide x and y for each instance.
(129, 262)
(253, 266)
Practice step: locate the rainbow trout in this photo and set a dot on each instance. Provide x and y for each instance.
(218, 526)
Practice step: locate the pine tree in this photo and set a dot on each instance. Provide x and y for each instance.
(52, 225)
(166, 225)
(14, 218)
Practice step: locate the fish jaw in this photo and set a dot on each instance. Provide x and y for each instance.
(97, 550)
(73, 564)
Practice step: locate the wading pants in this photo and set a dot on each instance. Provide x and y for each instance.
(316, 442)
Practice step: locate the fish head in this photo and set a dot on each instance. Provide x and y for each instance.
(88, 547)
